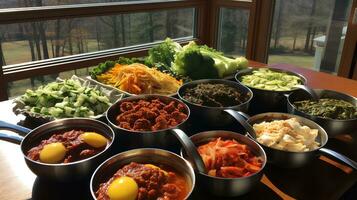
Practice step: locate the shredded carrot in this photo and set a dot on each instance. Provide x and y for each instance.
(140, 79)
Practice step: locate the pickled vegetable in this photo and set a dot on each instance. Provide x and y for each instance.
(228, 158)
(328, 108)
(267, 79)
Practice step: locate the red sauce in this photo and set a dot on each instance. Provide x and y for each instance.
(229, 159)
(76, 149)
(150, 115)
(153, 183)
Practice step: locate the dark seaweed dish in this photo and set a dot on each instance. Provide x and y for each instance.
(214, 95)
(328, 108)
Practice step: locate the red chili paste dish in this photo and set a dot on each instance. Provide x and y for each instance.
(68, 147)
(150, 115)
(137, 181)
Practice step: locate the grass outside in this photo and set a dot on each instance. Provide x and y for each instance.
(306, 61)
(19, 51)
(17, 88)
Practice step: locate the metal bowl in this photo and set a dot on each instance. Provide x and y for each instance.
(214, 116)
(148, 156)
(287, 159)
(268, 100)
(130, 139)
(333, 127)
(65, 171)
(228, 186)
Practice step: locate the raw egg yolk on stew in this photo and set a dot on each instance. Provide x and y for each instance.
(53, 153)
(123, 188)
(94, 139)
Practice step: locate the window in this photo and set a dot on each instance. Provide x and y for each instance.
(19, 87)
(77, 34)
(33, 41)
(233, 31)
(309, 33)
(31, 3)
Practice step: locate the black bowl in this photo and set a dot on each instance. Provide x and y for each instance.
(333, 127)
(228, 187)
(215, 116)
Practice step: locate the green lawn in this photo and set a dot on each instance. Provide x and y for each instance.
(19, 51)
(306, 61)
(19, 87)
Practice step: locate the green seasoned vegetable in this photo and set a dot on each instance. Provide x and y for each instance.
(192, 63)
(328, 108)
(64, 99)
(267, 79)
(215, 95)
(164, 54)
(199, 62)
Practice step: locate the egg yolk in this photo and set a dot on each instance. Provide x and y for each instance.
(123, 188)
(53, 153)
(94, 139)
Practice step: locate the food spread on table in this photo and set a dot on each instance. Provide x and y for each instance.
(167, 66)
(228, 158)
(214, 95)
(288, 135)
(67, 147)
(267, 79)
(328, 108)
(65, 99)
(150, 115)
(137, 181)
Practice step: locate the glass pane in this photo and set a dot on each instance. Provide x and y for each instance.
(309, 33)
(233, 31)
(31, 3)
(17, 88)
(55, 38)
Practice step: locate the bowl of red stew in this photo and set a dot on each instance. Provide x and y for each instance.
(143, 174)
(145, 121)
(234, 162)
(67, 149)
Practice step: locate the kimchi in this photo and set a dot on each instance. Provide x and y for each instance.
(228, 158)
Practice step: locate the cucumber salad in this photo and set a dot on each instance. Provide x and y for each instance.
(267, 79)
(64, 99)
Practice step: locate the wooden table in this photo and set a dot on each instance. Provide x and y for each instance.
(322, 179)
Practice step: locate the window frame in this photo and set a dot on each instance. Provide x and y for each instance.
(205, 31)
